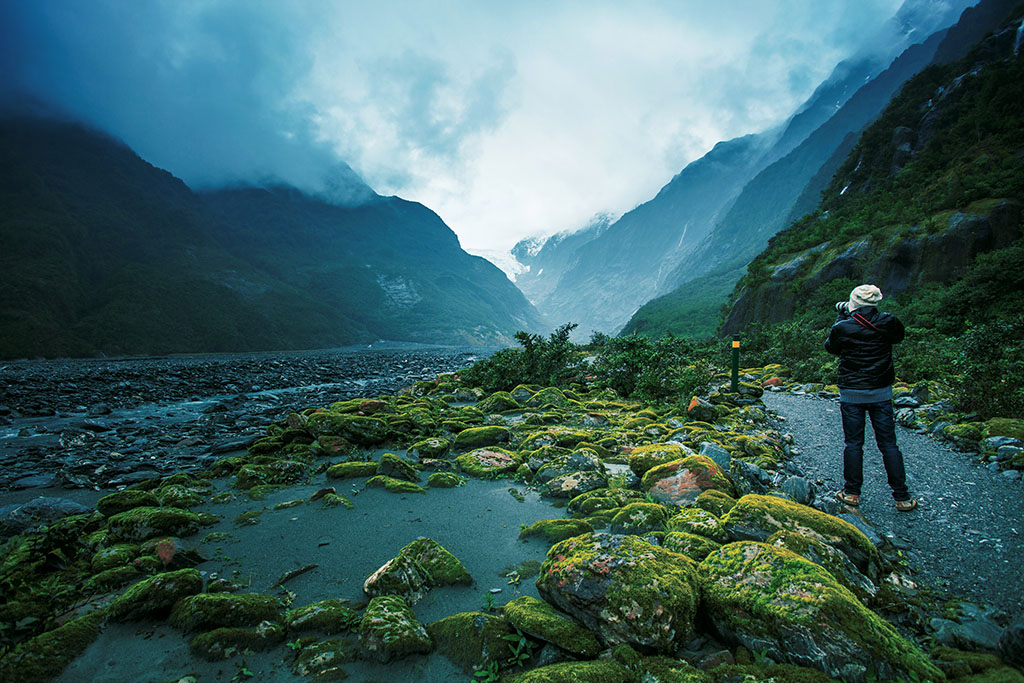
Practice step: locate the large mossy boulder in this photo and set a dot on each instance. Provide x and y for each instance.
(207, 611)
(480, 437)
(419, 566)
(555, 530)
(121, 501)
(224, 643)
(499, 402)
(389, 630)
(755, 518)
(698, 521)
(679, 482)
(277, 473)
(580, 460)
(397, 468)
(549, 397)
(327, 616)
(155, 596)
(623, 589)
(606, 498)
(45, 656)
(472, 639)
(596, 671)
(573, 484)
(771, 600)
(434, 447)
(693, 546)
(352, 469)
(639, 518)
(540, 620)
(643, 458)
(489, 462)
(830, 559)
(141, 523)
(359, 429)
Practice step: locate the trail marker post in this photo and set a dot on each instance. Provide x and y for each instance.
(735, 363)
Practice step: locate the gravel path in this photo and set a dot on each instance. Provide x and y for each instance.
(968, 533)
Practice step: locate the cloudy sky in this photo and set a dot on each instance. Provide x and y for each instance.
(509, 119)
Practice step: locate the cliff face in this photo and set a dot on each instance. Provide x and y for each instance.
(935, 182)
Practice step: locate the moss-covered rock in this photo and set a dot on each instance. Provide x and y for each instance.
(445, 480)
(481, 437)
(114, 578)
(389, 630)
(554, 530)
(178, 496)
(395, 467)
(679, 482)
(499, 402)
(716, 502)
(580, 460)
(359, 429)
(122, 501)
(43, 657)
(114, 556)
(1004, 426)
(323, 660)
(276, 473)
(207, 611)
(224, 643)
(420, 565)
(489, 462)
(770, 673)
(392, 485)
(771, 599)
(155, 596)
(472, 639)
(547, 398)
(327, 616)
(758, 517)
(832, 560)
(434, 447)
(596, 671)
(352, 470)
(141, 523)
(693, 546)
(540, 620)
(643, 458)
(700, 522)
(580, 505)
(639, 518)
(623, 589)
(668, 670)
(575, 483)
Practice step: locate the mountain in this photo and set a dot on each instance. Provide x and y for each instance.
(927, 204)
(790, 186)
(664, 242)
(104, 253)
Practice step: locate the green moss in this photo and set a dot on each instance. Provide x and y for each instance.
(441, 566)
(224, 643)
(773, 597)
(433, 447)
(539, 619)
(445, 480)
(693, 546)
(389, 630)
(644, 458)
(351, 470)
(178, 496)
(206, 611)
(43, 658)
(333, 500)
(141, 523)
(1005, 426)
(668, 670)
(122, 501)
(472, 639)
(976, 662)
(155, 596)
(395, 467)
(486, 462)
(498, 402)
(700, 522)
(758, 517)
(361, 430)
(715, 502)
(323, 660)
(774, 673)
(554, 530)
(327, 616)
(619, 496)
(114, 578)
(276, 473)
(597, 671)
(639, 518)
(480, 437)
(680, 481)
(115, 556)
(249, 518)
(392, 485)
(970, 431)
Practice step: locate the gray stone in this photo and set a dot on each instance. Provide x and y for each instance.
(1011, 644)
(994, 443)
(1012, 475)
(1007, 452)
(748, 477)
(799, 489)
(16, 519)
(906, 401)
(33, 481)
(721, 456)
(864, 527)
(975, 634)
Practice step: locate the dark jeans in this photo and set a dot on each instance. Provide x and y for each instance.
(884, 424)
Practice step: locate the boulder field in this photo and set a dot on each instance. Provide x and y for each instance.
(679, 551)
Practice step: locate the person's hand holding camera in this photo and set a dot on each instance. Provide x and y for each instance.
(843, 308)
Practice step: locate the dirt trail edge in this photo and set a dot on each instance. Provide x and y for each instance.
(967, 536)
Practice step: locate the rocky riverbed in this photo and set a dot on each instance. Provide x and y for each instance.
(115, 422)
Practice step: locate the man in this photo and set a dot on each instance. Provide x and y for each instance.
(862, 337)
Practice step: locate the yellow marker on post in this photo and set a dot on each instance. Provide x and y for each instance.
(735, 363)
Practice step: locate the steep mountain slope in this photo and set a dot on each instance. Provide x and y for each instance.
(927, 205)
(791, 186)
(104, 253)
(545, 260)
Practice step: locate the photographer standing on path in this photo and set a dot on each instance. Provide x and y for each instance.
(862, 337)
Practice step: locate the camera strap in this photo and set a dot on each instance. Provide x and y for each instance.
(864, 322)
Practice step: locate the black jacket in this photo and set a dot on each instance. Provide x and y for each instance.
(865, 352)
